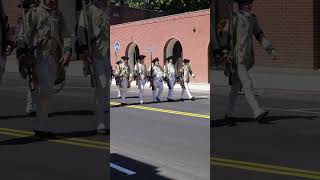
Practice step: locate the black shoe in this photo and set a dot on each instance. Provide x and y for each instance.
(104, 132)
(211, 123)
(231, 121)
(44, 134)
(170, 100)
(158, 99)
(32, 114)
(192, 98)
(261, 117)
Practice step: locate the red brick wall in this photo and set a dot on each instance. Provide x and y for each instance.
(11, 9)
(316, 20)
(289, 25)
(156, 33)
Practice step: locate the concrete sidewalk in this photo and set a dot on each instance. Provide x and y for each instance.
(75, 69)
(277, 78)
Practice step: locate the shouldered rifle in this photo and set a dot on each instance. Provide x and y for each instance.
(151, 74)
(88, 35)
(182, 76)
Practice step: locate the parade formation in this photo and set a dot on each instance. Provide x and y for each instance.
(156, 75)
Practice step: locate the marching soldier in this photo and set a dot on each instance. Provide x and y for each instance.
(156, 74)
(94, 38)
(47, 35)
(117, 78)
(126, 76)
(245, 27)
(141, 75)
(24, 71)
(170, 77)
(185, 72)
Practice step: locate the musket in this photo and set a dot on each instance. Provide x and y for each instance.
(88, 36)
(151, 74)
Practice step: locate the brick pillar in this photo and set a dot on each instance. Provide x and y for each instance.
(316, 33)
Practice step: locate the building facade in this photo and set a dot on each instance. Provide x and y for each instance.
(292, 26)
(182, 36)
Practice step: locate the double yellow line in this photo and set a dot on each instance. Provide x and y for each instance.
(204, 116)
(265, 168)
(61, 140)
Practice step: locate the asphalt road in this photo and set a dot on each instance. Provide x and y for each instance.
(155, 141)
(79, 154)
(161, 141)
(286, 148)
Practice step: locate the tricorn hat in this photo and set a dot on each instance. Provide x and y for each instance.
(119, 61)
(170, 57)
(186, 60)
(141, 57)
(154, 60)
(125, 57)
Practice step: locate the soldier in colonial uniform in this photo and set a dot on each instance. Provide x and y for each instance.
(94, 39)
(185, 72)
(117, 78)
(126, 77)
(156, 74)
(170, 76)
(25, 69)
(141, 75)
(245, 27)
(47, 34)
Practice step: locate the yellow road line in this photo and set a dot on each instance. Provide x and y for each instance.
(265, 168)
(70, 141)
(204, 116)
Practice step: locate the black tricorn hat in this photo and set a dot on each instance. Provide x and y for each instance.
(244, 1)
(141, 56)
(125, 57)
(170, 57)
(186, 60)
(156, 59)
(119, 61)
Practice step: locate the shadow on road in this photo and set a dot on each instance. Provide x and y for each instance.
(129, 97)
(33, 139)
(145, 103)
(21, 141)
(143, 170)
(16, 116)
(72, 113)
(54, 114)
(269, 120)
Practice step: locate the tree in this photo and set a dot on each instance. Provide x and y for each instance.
(171, 6)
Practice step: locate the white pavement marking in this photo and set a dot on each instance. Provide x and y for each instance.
(123, 170)
(293, 110)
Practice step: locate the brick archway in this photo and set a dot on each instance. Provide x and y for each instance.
(174, 48)
(132, 51)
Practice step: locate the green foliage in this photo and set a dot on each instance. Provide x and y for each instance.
(172, 6)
